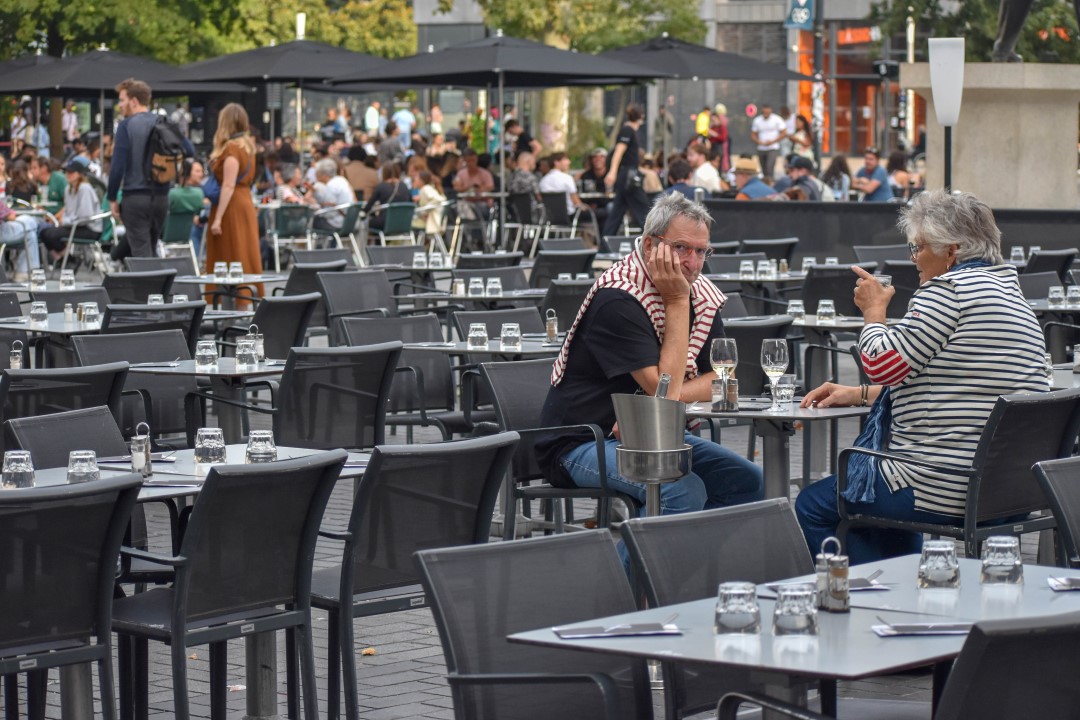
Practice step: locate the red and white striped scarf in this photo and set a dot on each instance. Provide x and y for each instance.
(631, 275)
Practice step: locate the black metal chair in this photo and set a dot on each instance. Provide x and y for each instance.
(392, 254)
(477, 261)
(1060, 482)
(1021, 431)
(303, 279)
(291, 228)
(559, 244)
(350, 219)
(324, 255)
(718, 264)
(511, 587)
(182, 264)
(519, 389)
(748, 335)
(283, 321)
(411, 498)
(58, 550)
(833, 282)
(361, 293)
(185, 317)
(774, 248)
(522, 214)
(1036, 286)
(757, 542)
(565, 298)
(905, 278)
(28, 393)
(54, 350)
(1055, 261)
(132, 288)
(557, 217)
(512, 278)
(551, 263)
(881, 254)
(237, 574)
(1006, 669)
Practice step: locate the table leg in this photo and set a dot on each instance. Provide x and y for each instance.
(817, 438)
(261, 658)
(228, 415)
(793, 692)
(776, 443)
(76, 692)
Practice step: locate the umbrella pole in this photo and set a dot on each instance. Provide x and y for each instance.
(300, 118)
(502, 170)
(101, 115)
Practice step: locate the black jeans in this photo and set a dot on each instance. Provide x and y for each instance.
(56, 238)
(143, 215)
(632, 199)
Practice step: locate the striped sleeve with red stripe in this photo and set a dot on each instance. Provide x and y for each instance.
(888, 368)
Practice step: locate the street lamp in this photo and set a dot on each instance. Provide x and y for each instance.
(947, 86)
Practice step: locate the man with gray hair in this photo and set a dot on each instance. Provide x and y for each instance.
(650, 314)
(330, 191)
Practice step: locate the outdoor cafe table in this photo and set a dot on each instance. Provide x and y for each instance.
(50, 286)
(181, 478)
(846, 648)
(529, 348)
(535, 295)
(230, 286)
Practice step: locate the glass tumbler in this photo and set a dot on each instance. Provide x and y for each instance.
(1001, 562)
(884, 280)
(18, 471)
(39, 312)
(1055, 296)
(221, 271)
(737, 610)
(510, 337)
(625, 249)
(82, 466)
(435, 261)
(764, 269)
(91, 315)
(260, 447)
(236, 271)
(564, 276)
(1016, 253)
(826, 312)
(746, 270)
(419, 260)
(494, 288)
(246, 357)
(1072, 296)
(831, 260)
(37, 279)
(1033, 251)
(206, 355)
(478, 337)
(808, 262)
(476, 287)
(785, 391)
(209, 446)
(155, 299)
(179, 298)
(797, 311)
(795, 612)
(67, 279)
(938, 566)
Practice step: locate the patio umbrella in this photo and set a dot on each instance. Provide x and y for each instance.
(502, 61)
(679, 59)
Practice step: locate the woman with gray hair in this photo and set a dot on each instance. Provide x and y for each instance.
(969, 336)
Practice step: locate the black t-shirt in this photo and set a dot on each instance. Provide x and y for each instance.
(523, 143)
(614, 338)
(629, 160)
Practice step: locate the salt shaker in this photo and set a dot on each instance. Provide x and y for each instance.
(833, 568)
(15, 359)
(140, 451)
(69, 313)
(551, 326)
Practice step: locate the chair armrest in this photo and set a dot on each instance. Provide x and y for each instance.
(147, 403)
(335, 534)
(336, 208)
(605, 685)
(418, 379)
(728, 708)
(841, 462)
(135, 553)
(598, 438)
(381, 312)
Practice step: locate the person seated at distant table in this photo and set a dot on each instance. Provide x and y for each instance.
(474, 179)
(330, 191)
(390, 190)
(872, 180)
(748, 180)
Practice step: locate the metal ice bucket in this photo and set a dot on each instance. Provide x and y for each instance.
(650, 423)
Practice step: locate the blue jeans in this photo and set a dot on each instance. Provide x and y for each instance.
(818, 516)
(24, 228)
(719, 477)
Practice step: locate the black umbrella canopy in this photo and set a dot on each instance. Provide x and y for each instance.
(296, 61)
(685, 60)
(521, 63)
(91, 73)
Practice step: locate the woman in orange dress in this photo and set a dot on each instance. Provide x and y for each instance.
(234, 228)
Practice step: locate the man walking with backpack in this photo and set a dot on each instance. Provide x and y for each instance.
(144, 167)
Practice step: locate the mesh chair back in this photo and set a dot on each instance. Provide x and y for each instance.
(550, 263)
(612, 243)
(351, 217)
(304, 278)
(9, 304)
(512, 277)
(1055, 261)
(49, 438)
(905, 278)
(1015, 668)
(398, 218)
(291, 221)
(833, 282)
(167, 392)
(132, 288)
(284, 320)
(182, 264)
(756, 542)
(283, 504)
(573, 243)
(55, 300)
(482, 593)
(324, 255)
(26, 393)
(416, 497)
(748, 335)
(520, 207)
(355, 293)
(393, 254)
(474, 261)
(565, 298)
(718, 264)
(1060, 482)
(774, 248)
(177, 228)
(1036, 286)
(58, 550)
(1021, 431)
(335, 397)
(734, 307)
(519, 389)
(727, 247)
(186, 317)
(528, 318)
(555, 208)
(881, 253)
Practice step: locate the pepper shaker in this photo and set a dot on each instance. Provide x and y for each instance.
(141, 461)
(15, 359)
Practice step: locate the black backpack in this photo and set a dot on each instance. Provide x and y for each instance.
(165, 151)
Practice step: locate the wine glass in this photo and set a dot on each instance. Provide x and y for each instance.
(723, 356)
(774, 361)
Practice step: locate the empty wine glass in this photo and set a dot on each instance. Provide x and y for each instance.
(774, 361)
(723, 356)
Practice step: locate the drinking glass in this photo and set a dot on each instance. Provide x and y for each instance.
(179, 298)
(1055, 296)
(1001, 563)
(797, 311)
(764, 269)
(808, 262)
(419, 260)
(1072, 296)
(625, 249)
(826, 312)
(582, 276)
(206, 355)
(564, 276)
(884, 280)
(737, 610)
(723, 356)
(1033, 251)
(435, 261)
(155, 299)
(209, 446)
(221, 271)
(39, 312)
(494, 287)
(260, 447)
(774, 361)
(746, 270)
(830, 260)
(18, 471)
(478, 337)
(476, 287)
(1016, 253)
(510, 337)
(785, 391)
(67, 279)
(246, 357)
(795, 612)
(82, 466)
(91, 315)
(236, 271)
(938, 566)
(37, 279)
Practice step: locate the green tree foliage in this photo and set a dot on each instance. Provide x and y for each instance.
(1050, 34)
